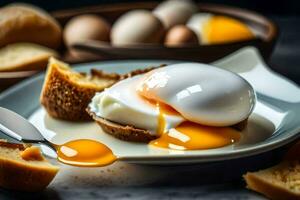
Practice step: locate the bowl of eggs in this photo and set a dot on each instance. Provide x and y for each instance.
(172, 29)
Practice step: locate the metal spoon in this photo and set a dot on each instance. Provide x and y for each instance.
(17, 127)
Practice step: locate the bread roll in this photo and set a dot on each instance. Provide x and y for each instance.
(26, 23)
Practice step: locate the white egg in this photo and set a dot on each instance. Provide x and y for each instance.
(137, 27)
(174, 12)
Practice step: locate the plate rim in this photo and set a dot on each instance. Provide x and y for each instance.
(230, 154)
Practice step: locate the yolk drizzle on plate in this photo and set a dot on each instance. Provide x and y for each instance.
(192, 136)
(222, 29)
(85, 153)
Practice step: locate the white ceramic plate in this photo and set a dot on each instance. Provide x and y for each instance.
(273, 123)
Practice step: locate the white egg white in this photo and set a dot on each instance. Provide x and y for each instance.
(202, 93)
(122, 104)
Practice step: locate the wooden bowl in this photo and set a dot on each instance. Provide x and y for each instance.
(264, 28)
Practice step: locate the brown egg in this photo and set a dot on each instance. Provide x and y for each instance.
(137, 27)
(86, 27)
(181, 35)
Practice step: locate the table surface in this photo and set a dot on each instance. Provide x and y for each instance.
(285, 60)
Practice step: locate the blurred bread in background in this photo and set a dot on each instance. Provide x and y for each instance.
(24, 57)
(27, 23)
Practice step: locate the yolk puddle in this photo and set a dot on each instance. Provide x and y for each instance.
(192, 136)
(85, 153)
(222, 29)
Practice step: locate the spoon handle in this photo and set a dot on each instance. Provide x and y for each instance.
(10, 133)
(17, 127)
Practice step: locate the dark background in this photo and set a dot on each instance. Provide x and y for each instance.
(286, 7)
(284, 60)
(286, 14)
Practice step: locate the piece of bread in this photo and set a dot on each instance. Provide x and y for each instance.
(281, 182)
(24, 168)
(66, 93)
(24, 57)
(123, 132)
(27, 23)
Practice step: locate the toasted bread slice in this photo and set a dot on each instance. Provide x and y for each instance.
(123, 132)
(66, 93)
(24, 168)
(280, 182)
(24, 57)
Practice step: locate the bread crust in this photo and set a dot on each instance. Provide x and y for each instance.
(123, 132)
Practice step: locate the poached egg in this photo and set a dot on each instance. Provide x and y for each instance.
(187, 105)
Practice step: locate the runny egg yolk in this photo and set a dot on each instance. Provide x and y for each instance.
(222, 29)
(85, 153)
(192, 136)
(162, 110)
